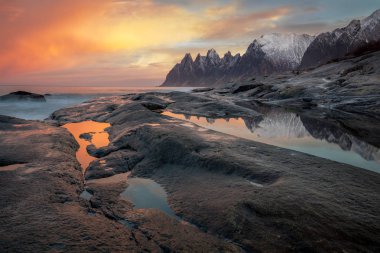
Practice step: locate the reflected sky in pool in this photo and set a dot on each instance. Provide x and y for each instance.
(145, 193)
(99, 138)
(289, 130)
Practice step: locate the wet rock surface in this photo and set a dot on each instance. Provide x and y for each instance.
(116, 162)
(255, 196)
(231, 194)
(40, 206)
(45, 205)
(346, 92)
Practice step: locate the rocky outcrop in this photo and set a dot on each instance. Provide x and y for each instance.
(23, 96)
(358, 36)
(268, 54)
(262, 198)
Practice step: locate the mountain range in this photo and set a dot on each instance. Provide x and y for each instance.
(276, 53)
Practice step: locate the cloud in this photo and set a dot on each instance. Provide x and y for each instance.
(62, 41)
(221, 11)
(49, 36)
(242, 25)
(59, 34)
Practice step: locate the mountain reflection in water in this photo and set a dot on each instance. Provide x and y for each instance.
(291, 131)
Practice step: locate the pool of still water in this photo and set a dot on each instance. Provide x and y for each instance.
(289, 130)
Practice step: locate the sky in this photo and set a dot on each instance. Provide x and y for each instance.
(136, 43)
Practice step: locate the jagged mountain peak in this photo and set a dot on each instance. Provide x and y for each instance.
(227, 57)
(211, 68)
(374, 15)
(187, 59)
(354, 26)
(278, 52)
(228, 54)
(212, 54)
(212, 57)
(229, 60)
(371, 20)
(198, 58)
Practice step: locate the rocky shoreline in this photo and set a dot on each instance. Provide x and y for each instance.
(239, 195)
(231, 194)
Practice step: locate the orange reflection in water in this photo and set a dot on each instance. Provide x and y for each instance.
(99, 138)
(235, 126)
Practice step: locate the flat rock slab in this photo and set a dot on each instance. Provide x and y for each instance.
(41, 209)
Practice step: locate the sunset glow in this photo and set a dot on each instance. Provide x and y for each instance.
(132, 42)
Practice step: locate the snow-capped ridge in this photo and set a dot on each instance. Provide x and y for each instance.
(358, 36)
(278, 52)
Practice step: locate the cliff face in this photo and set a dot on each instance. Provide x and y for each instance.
(356, 37)
(268, 54)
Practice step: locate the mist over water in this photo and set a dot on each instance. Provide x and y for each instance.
(41, 110)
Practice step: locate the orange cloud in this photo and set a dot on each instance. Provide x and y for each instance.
(63, 33)
(37, 34)
(45, 41)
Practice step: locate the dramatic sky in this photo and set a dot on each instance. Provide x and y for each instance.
(135, 43)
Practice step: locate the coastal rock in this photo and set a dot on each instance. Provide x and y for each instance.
(230, 194)
(153, 106)
(202, 89)
(262, 198)
(48, 192)
(23, 96)
(117, 162)
(45, 192)
(86, 136)
(244, 87)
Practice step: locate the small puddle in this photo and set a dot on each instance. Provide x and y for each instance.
(289, 130)
(145, 193)
(142, 192)
(99, 138)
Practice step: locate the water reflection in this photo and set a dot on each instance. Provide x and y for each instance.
(145, 193)
(291, 131)
(99, 138)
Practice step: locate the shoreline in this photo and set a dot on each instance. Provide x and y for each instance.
(234, 194)
(222, 184)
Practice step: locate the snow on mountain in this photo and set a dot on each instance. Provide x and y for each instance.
(356, 37)
(268, 54)
(212, 57)
(274, 53)
(285, 48)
